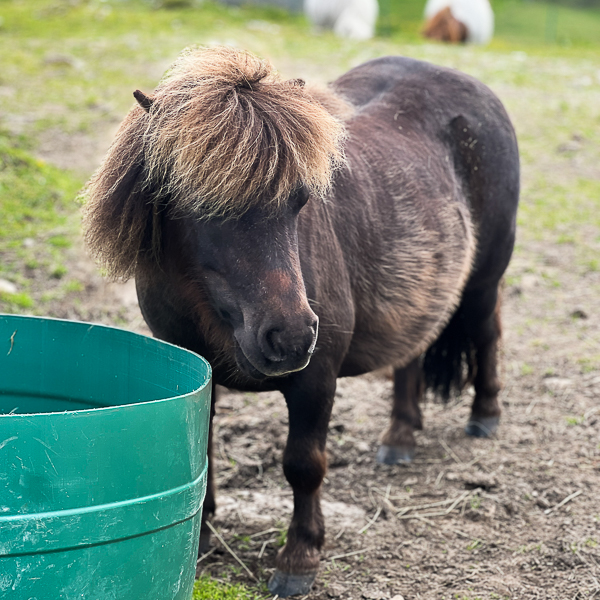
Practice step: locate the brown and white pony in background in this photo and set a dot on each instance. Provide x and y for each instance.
(454, 21)
(294, 235)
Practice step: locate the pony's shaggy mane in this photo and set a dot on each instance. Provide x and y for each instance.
(221, 134)
(225, 132)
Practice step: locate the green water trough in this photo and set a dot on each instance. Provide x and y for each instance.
(103, 437)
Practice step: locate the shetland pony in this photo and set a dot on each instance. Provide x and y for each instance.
(294, 235)
(470, 21)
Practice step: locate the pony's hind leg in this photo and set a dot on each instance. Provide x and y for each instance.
(482, 320)
(398, 442)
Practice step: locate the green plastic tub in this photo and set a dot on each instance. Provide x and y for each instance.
(103, 437)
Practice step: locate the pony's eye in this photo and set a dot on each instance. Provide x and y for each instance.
(299, 198)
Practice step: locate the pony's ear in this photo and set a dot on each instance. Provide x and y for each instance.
(118, 215)
(144, 101)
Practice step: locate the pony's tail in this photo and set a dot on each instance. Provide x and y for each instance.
(449, 363)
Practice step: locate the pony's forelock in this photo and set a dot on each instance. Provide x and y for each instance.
(225, 133)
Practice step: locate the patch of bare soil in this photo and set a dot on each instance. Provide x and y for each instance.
(78, 151)
(516, 516)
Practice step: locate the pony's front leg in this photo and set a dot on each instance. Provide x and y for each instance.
(309, 400)
(209, 506)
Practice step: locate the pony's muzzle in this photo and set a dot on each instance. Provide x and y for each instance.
(280, 344)
(279, 347)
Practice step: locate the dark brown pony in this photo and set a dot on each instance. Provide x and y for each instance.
(293, 236)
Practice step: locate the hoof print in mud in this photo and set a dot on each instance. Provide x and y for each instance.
(287, 584)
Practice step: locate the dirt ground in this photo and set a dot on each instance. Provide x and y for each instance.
(516, 516)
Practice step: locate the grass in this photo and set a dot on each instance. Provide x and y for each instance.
(99, 50)
(39, 221)
(522, 22)
(540, 23)
(32, 194)
(69, 67)
(210, 589)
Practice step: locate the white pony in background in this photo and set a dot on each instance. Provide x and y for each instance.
(352, 19)
(445, 18)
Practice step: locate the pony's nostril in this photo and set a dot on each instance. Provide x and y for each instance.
(224, 314)
(275, 345)
(290, 343)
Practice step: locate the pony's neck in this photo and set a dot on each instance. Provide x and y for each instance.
(333, 103)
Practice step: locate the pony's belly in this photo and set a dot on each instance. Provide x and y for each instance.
(378, 349)
(396, 334)
(405, 298)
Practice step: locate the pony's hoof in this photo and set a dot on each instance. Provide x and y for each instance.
(395, 455)
(482, 426)
(286, 584)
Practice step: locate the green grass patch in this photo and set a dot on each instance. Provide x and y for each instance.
(11, 303)
(34, 197)
(546, 24)
(565, 215)
(36, 200)
(474, 544)
(574, 420)
(557, 210)
(590, 363)
(211, 589)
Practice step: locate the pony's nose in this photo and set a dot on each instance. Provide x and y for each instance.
(281, 344)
